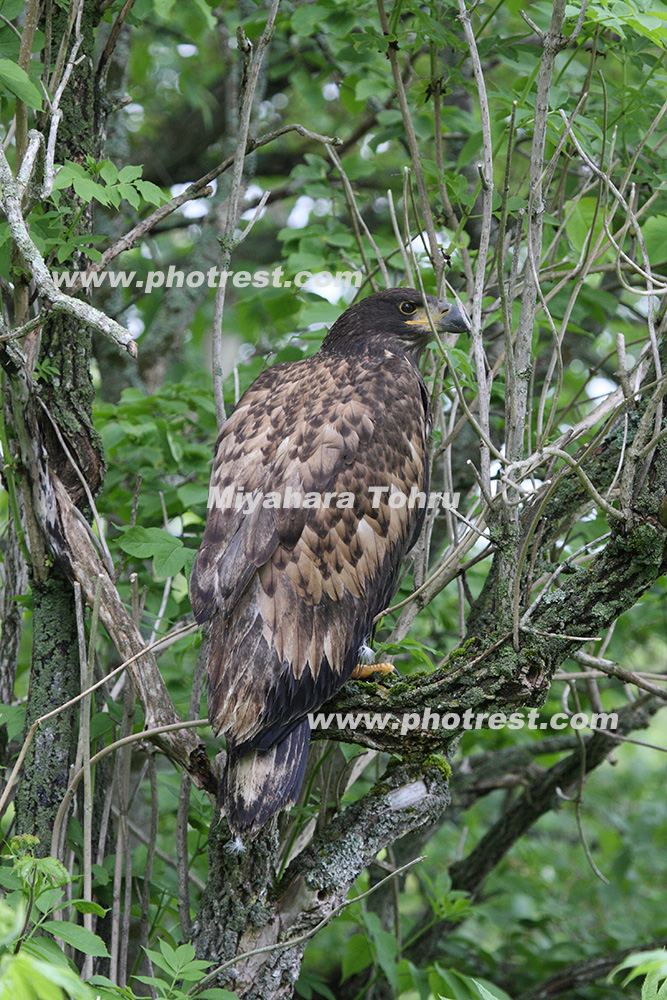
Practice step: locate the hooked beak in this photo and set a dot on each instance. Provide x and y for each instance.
(447, 318)
(452, 319)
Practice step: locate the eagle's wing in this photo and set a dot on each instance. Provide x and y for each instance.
(296, 590)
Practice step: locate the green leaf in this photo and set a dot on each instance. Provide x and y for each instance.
(579, 226)
(106, 990)
(88, 906)
(165, 959)
(306, 19)
(109, 172)
(13, 716)
(89, 190)
(163, 8)
(168, 553)
(79, 937)
(654, 230)
(191, 495)
(358, 956)
(461, 361)
(487, 994)
(395, 16)
(102, 875)
(51, 870)
(28, 978)
(11, 922)
(150, 192)
(48, 900)
(100, 724)
(142, 542)
(169, 562)
(129, 173)
(206, 14)
(18, 82)
(386, 948)
(129, 193)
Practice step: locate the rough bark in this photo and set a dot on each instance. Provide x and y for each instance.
(63, 348)
(279, 911)
(14, 580)
(54, 675)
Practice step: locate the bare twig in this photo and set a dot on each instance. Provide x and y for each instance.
(236, 192)
(482, 370)
(415, 153)
(105, 58)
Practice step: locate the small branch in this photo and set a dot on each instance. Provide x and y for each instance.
(30, 26)
(152, 850)
(74, 14)
(182, 854)
(55, 112)
(482, 369)
(198, 189)
(580, 23)
(358, 219)
(236, 193)
(612, 669)
(11, 199)
(399, 239)
(597, 497)
(415, 152)
(552, 43)
(4, 799)
(105, 58)
(101, 540)
(85, 662)
(145, 734)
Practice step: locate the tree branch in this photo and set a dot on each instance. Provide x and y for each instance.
(542, 795)
(59, 302)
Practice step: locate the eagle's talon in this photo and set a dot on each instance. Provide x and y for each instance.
(364, 670)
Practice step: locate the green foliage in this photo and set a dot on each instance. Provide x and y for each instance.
(118, 185)
(181, 969)
(169, 555)
(652, 965)
(104, 183)
(31, 978)
(16, 81)
(32, 966)
(447, 984)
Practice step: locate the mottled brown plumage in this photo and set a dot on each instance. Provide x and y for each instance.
(292, 593)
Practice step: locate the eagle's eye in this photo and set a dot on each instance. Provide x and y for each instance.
(408, 308)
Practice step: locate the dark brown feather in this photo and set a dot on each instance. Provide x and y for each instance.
(293, 592)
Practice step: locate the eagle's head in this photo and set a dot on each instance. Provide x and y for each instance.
(399, 317)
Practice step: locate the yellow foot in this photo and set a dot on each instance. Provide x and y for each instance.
(363, 670)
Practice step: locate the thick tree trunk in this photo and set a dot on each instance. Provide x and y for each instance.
(64, 353)
(54, 679)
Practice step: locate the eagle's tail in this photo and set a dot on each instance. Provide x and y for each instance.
(257, 784)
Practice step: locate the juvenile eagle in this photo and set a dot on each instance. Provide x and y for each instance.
(292, 591)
